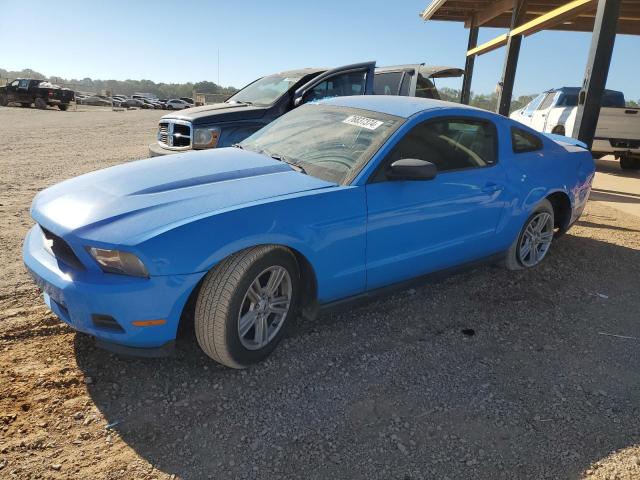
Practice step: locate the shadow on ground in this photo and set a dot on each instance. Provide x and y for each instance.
(537, 386)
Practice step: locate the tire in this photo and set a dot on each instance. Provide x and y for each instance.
(518, 257)
(169, 107)
(558, 130)
(224, 301)
(3, 101)
(40, 104)
(63, 107)
(627, 162)
(25, 105)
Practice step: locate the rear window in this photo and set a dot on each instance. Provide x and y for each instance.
(387, 83)
(425, 88)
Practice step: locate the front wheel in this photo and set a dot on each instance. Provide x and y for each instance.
(3, 101)
(245, 304)
(533, 243)
(63, 107)
(40, 103)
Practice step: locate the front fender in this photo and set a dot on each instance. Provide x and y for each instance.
(327, 226)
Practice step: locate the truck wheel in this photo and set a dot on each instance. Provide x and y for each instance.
(40, 103)
(3, 101)
(63, 107)
(245, 304)
(25, 105)
(628, 162)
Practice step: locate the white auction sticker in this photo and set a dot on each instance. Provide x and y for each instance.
(364, 122)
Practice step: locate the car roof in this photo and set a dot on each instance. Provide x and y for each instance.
(301, 72)
(577, 90)
(394, 105)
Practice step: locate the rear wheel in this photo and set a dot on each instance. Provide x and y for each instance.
(534, 240)
(628, 162)
(245, 304)
(63, 107)
(3, 101)
(40, 103)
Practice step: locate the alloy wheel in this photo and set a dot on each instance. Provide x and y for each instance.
(536, 239)
(264, 307)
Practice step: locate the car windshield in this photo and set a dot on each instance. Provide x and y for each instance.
(265, 91)
(328, 142)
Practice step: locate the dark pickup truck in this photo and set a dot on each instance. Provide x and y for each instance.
(28, 91)
(264, 100)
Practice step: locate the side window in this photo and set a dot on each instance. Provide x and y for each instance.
(450, 144)
(340, 85)
(406, 84)
(522, 141)
(548, 100)
(533, 104)
(15, 83)
(24, 84)
(387, 83)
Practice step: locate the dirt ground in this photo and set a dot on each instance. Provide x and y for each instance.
(486, 375)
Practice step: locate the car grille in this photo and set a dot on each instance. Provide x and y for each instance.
(61, 250)
(174, 135)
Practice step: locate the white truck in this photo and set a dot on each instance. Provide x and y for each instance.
(617, 132)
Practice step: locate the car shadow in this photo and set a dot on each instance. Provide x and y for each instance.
(612, 167)
(602, 195)
(487, 374)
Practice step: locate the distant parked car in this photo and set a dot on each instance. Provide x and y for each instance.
(98, 101)
(188, 100)
(118, 100)
(132, 102)
(146, 103)
(178, 104)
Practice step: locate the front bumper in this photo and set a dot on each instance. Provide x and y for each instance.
(155, 150)
(77, 297)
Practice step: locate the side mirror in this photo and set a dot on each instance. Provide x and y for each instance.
(412, 169)
(297, 101)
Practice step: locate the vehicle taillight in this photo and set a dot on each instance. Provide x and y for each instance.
(51, 93)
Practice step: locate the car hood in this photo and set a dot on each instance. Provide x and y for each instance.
(130, 203)
(218, 112)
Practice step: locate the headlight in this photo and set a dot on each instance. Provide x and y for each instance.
(115, 261)
(206, 137)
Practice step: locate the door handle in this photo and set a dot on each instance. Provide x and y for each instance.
(492, 187)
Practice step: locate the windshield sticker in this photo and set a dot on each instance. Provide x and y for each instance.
(363, 122)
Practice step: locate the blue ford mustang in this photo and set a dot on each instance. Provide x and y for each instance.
(333, 201)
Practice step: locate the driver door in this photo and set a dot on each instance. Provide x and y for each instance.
(355, 79)
(415, 227)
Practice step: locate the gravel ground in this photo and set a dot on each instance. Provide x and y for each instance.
(486, 375)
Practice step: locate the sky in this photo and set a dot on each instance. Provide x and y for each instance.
(179, 41)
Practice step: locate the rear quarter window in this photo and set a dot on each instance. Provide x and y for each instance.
(522, 141)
